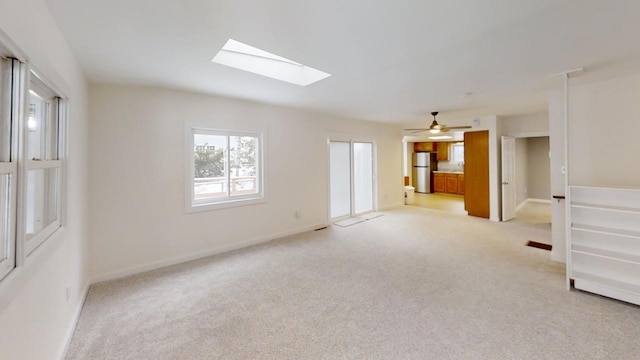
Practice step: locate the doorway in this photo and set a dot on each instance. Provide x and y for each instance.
(351, 178)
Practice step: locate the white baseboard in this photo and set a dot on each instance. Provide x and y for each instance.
(556, 257)
(198, 255)
(521, 205)
(544, 201)
(532, 200)
(391, 206)
(74, 323)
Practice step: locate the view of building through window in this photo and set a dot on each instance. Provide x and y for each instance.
(224, 166)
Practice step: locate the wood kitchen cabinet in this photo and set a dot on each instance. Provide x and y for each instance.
(451, 181)
(448, 183)
(443, 151)
(439, 184)
(424, 147)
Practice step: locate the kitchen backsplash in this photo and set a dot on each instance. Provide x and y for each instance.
(450, 166)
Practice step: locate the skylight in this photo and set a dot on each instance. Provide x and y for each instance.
(244, 57)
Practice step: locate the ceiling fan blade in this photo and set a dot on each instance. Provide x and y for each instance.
(422, 129)
(458, 127)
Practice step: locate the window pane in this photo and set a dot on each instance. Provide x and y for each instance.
(42, 199)
(36, 122)
(5, 211)
(5, 109)
(340, 178)
(363, 177)
(458, 152)
(210, 168)
(53, 185)
(243, 165)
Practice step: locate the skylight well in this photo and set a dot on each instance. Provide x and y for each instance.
(248, 58)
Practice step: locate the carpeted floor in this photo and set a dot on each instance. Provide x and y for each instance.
(413, 284)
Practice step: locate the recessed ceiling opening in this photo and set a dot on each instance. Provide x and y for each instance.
(248, 58)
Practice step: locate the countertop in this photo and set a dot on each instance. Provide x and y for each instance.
(448, 172)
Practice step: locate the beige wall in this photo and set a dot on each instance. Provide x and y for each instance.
(598, 155)
(522, 169)
(36, 319)
(538, 171)
(525, 125)
(138, 218)
(603, 133)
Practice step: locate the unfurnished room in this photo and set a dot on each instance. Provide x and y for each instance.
(209, 179)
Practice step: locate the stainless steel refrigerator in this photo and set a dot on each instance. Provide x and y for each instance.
(423, 165)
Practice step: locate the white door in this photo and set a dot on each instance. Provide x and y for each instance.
(362, 177)
(340, 178)
(351, 178)
(508, 178)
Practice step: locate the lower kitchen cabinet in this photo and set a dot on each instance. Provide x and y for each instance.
(448, 183)
(452, 183)
(439, 183)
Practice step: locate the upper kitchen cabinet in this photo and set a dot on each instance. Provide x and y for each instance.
(424, 146)
(443, 151)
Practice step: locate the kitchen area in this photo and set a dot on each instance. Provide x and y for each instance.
(437, 174)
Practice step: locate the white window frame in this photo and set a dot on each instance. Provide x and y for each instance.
(11, 167)
(32, 241)
(454, 158)
(192, 205)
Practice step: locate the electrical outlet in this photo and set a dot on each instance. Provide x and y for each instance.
(68, 293)
(386, 196)
(298, 214)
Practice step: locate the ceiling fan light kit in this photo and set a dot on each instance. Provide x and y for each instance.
(436, 128)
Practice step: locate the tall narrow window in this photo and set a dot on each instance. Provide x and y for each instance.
(10, 70)
(226, 168)
(43, 164)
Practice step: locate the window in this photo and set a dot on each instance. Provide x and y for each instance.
(31, 143)
(43, 166)
(457, 152)
(225, 168)
(10, 71)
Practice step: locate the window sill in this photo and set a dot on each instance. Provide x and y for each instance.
(225, 205)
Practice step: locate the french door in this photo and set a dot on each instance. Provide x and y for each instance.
(352, 178)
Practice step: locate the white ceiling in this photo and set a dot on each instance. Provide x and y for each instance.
(392, 61)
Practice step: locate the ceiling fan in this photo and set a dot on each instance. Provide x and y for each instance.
(437, 128)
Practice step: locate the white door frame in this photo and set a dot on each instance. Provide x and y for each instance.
(508, 155)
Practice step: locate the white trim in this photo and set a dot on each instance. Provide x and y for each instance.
(609, 291)
(7, 168)
(43, 164)
(11, 47)
(557, 257)
(544, 201)
(530, 134)
(392, 206)
(32, 243)
(228, 201)
(74, 322)
(532, 200)
(201, 254)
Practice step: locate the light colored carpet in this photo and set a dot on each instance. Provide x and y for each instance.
(413, 284)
